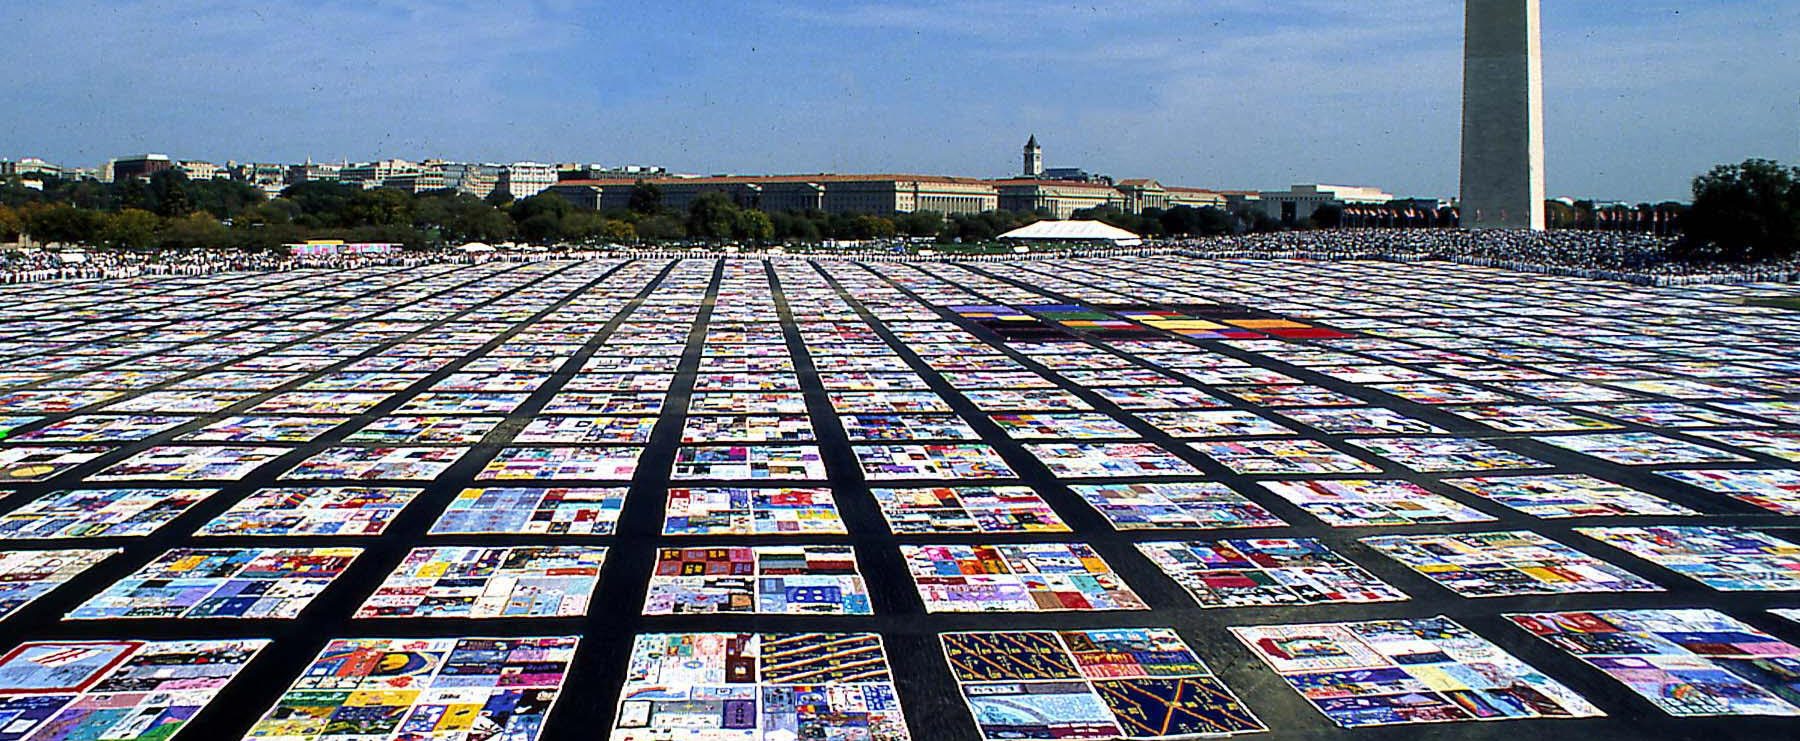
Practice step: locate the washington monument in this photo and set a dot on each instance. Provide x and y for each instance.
(1503, 116)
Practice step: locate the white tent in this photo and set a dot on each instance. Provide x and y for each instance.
(476, 247)
(1073, 231)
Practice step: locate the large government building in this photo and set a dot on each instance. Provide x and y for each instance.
(859, 194)
(886, 195)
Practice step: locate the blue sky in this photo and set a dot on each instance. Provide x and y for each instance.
(1640, 95)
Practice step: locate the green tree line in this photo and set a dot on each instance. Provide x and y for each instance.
(169, 210)
(1180, 221)
(1747, 211)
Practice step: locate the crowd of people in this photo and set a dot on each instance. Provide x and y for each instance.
(1637, 258)
(22, 266)
(1634, 257)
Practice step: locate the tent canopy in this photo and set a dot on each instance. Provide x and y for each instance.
(476, 247)
(1073, 231)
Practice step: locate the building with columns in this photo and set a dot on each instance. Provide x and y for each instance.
(1059, 198)
(881, 195)
(1194, 197)
(888, 195)
(1297, 204)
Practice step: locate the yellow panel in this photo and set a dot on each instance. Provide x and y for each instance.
(1265, 324)
(1186, 324)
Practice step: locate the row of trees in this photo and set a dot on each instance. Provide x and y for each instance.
(714, 216)
(1177, 221)
(1747, 211)
(171, 211)
(1740, 212)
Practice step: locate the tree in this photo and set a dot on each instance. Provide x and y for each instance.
(321, 203)
(402, 234)
(1745, 211)
(582, 226)
(13, 193)
(472, 219)
(89, 194)
(540, 228)
(133, 195)
(1258, 220)
(431, 211)
(1181, 221)
(1215, 221)
(865, 226)
(920, 223)
(712, 216)
(277, 211)
(196, 230)
(660, 226)
(754, 225)
(10, 224)
(985, 226)
(224, 199)
(1328, 216)
(797, 226)
(133, 229)
(63, 223)
(1147, 224)
(540, 217)
(267, 235)
(379, 207)
(616, 230)
(461, 217)
(169, 193)
(646, 198)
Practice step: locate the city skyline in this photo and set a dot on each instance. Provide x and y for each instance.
(1227, 96)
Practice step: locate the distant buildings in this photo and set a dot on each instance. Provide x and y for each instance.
(1059, 198)
(1061, 191)
(1142, 193)
(861, 194)
(199, 170)
(887, 195)
(518, 180)
(525, 179)
(314, 172)
(1035, 189)
(465, 177)
(1057, 191)
(579, 171)
(268, 177)
(422, 180)
(1297, 204)
(1072, 173)
(375, 174)
(1195, 197)
(29, 168)
(141, 166)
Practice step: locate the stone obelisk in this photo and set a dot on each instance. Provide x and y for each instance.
(1503, 116)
